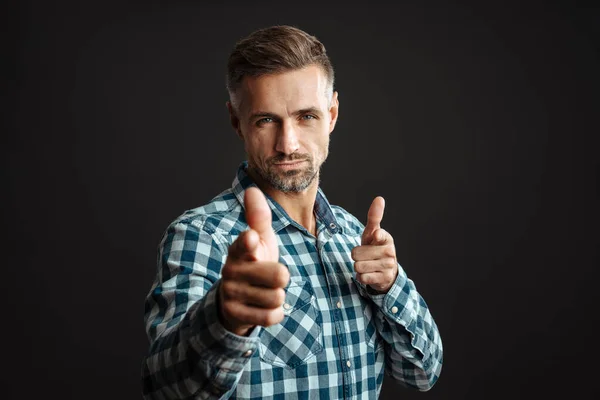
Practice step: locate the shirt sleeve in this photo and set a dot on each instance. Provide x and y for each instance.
(414, 351)
(191, 354)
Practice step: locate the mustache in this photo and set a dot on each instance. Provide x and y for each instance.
(288, 158)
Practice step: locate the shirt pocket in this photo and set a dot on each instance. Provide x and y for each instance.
(298, 337)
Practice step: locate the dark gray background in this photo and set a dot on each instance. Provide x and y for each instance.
(477, 123)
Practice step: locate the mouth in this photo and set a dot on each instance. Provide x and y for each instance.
(289, 164)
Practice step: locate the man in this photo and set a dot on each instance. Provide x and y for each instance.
(269, 291)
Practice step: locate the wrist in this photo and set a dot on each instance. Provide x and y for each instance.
(374, 292)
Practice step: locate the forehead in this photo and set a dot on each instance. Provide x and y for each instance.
(285, 92)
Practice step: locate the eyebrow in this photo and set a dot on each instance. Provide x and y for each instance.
(265, 114)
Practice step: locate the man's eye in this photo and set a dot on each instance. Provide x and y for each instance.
(308, 117)
(263, 121)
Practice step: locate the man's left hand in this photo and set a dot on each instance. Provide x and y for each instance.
(375, 259)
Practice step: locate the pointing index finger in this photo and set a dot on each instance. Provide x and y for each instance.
(258, 213)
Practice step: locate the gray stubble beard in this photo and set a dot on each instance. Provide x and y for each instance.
(294, 181)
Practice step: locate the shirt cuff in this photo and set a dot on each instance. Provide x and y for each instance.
(223, 349)
(399, 305)
(396, 304)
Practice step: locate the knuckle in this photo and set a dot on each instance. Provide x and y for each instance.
(279, 297)
(263, 320)
(268, 320)
(281, 276)
(270, 299)
(228, 288)
(228, 271)
(229, 308)
(390, 251)
(389, 276)
(365, 279)
(359, 266)
(273, 317)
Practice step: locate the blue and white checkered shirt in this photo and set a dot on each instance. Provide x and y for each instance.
(335, 342)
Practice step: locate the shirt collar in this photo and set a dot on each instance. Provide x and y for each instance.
(281, 219)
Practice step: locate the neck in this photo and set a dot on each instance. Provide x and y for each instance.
(298, 205)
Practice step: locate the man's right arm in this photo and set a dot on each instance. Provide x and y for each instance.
(202, 284)
(191, 353)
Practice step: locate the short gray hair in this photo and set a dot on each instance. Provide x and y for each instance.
(276, 49)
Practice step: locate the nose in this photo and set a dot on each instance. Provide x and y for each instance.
(287, 138)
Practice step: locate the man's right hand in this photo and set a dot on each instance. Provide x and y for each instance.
(252, 279)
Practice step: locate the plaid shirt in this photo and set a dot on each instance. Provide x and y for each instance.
(336, 340)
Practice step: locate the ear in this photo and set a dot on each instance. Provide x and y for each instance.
(235, 121)
(333, 111)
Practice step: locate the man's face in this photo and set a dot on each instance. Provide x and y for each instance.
(285, 120)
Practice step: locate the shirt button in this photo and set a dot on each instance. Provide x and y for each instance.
(248, 353)
(394, 310)
(339, 304)
(287, 306)
(332, 226)
(348, 363)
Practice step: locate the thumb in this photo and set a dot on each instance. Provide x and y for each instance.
(374, 217)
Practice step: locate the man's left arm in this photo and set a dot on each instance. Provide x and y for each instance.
(402, 318)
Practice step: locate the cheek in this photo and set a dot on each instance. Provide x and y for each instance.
(316, 137)
(257, 147)
(322, 145)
